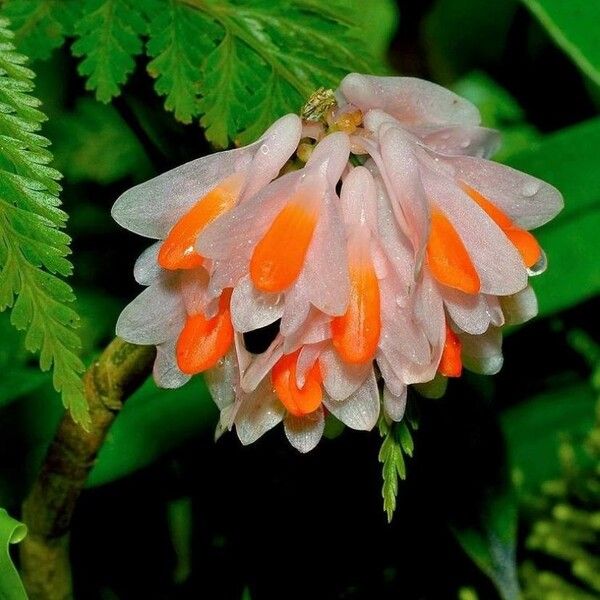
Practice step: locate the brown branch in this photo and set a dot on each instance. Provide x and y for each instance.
(48, 509)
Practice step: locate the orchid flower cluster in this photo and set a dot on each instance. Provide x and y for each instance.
(375, 238)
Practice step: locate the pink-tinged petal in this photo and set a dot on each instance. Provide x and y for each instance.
(166, 373)
(498, 263)
(315, 329)
(495, 311)
(394, 405)
(155, 316)
(520, 307)
(528, 201)
(410, 100)
(251, 309)
(359, 198)
(193, 285)
(394, 242)
(261, 365)
(359, 411)
(330, 156)
(324, 280)
(226, 420)
(258, 412)
(236, 233)
(297, 307)
(433, 389)
(146, 269)
(304, 433)
(483, 353)
(276, 146)
(306, 359)
(153, 207)
(222, 380)
(471, 313)
(341, 379)
(459, 140)
(389, 376)
(406, 188)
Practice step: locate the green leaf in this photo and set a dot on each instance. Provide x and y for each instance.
(461, 35)
(11, 532)
(492, 545)
(533, 430)
(33, 250)
(93, 143)
(397, 441)
(41, 25)
(139, 436)
(567, 160)
(574, 27)
(180, 39)
(108, 39)
(270, 57)
(379, 20)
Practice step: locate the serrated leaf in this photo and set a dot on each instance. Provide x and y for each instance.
(271, 57)
(180, 40)
(40, 26)
(396, 441)
(109, 39)
(33, 250)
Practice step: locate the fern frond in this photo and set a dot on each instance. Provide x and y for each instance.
(33, 249)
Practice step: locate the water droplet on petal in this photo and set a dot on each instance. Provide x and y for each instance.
(530, 188)
(465, 143)
(264, 149)
(539, 267)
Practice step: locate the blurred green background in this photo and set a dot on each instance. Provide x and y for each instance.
(502, 496)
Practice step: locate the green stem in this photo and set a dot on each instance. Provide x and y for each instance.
(48, 509)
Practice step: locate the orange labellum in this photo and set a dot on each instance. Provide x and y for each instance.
(521, 239)
(298, 401)
(278, 257)
(356, 334)
(177, 251)
(448, 258)
(203, 342)
(451, 363)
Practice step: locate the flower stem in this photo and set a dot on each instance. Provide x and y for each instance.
(48, 509)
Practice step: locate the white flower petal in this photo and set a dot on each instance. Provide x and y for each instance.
(359, 411)
(258, 412)
(251, 309)
(394, 405)
(520, 307)
(483, 353)
(155, 316)
(410, 100)
(340, 379)
(166, 372)
(146, 268)
(304, 433)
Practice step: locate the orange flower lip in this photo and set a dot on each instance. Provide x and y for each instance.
(451, 362)
(203, 342)
(177, 251)
(356, 333)
(448, 258)
(279, 256)
(298, 401)
(522, 240)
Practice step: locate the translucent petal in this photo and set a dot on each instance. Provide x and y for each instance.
(251, 309)
(166, 372)
(520, 307)
(305, 432)
(459, 140)
(258, 412)
(410, 100)
(394, 405)
(341, 380)
(155, 316)
(483, 353)
(146, 268)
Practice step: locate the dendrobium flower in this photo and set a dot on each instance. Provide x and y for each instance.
(379, 245)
